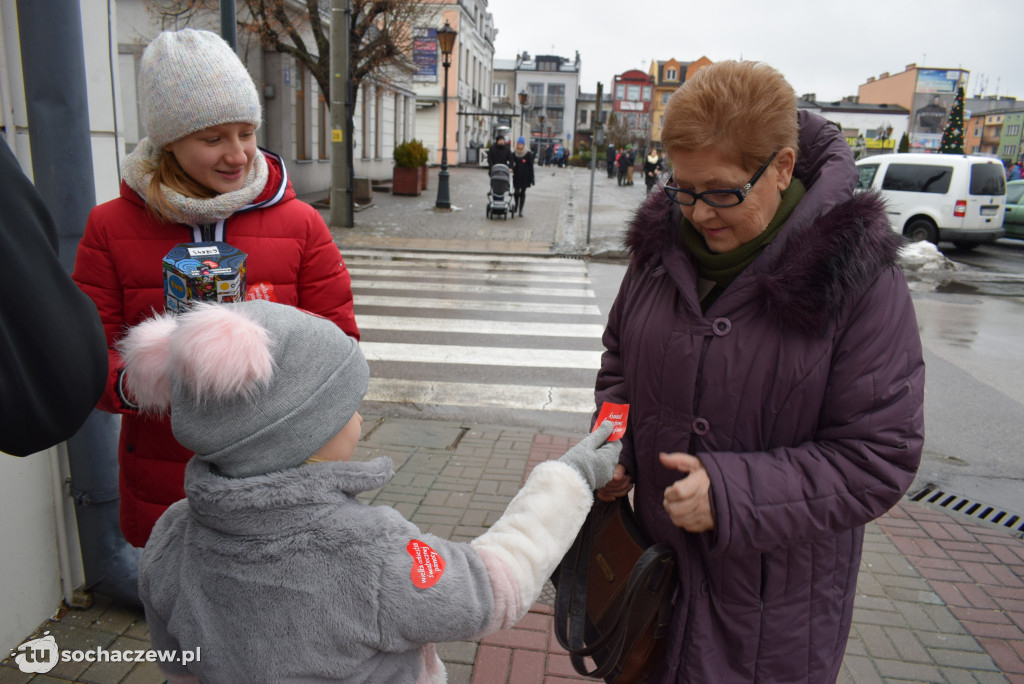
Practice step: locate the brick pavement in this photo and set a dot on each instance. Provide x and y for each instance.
(940, 597)
(555, 220)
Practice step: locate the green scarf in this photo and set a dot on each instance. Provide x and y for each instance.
(722, 269)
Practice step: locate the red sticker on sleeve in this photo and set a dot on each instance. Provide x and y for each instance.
(427, 564)
(617, 413)
(261, 290)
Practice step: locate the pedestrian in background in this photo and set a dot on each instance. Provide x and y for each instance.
(609, 158)
(198, 176)
(522, 173)
(272, 566)
(1015, 172)
(652, 167)
(630, 163)
(500, 154)
(765, 340)
(53, 358)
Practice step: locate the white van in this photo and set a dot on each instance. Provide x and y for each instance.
(933, 197)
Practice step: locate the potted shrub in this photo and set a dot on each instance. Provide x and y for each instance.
(410, 158)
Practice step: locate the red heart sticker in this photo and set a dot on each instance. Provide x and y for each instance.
(261, 290)
(617, 413)
(427, 565)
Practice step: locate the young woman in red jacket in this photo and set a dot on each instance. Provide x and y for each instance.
(198, 176)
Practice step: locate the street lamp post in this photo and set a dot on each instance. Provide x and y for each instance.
(446, 37)
(540, 141)
(522, 109)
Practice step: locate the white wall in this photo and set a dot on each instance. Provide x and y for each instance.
(870, 122)
(100, 38)
(31, 562)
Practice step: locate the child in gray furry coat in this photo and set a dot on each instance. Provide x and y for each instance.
(271, 570)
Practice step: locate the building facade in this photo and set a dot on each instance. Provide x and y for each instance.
(587, 116)
(551, 84)
(508, 113)
(1011, 138)
(297, 120)
(869, 129)
(667, 76)
(926, 92)
(470, 80)
(632, 93)
(996, 133)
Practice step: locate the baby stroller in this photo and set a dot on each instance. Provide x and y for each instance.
(499, 198)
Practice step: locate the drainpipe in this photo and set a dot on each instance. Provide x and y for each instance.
(5, 92)
(53, 65)
(228, 18)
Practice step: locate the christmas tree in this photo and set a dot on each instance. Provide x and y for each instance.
(904, 143)
(953, 136)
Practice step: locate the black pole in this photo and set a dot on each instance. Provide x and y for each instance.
(53, 65)
(443, 199)
(228, 30)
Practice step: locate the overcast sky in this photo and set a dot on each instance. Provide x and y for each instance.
(821, 46)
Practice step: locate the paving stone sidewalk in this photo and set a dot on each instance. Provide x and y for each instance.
(940, 597)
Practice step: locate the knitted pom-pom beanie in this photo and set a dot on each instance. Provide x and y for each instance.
(252, 387)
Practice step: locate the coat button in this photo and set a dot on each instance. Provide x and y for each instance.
(701, 426)
(721, 326)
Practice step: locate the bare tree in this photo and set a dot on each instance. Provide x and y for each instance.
(617, 131)
(380, 31)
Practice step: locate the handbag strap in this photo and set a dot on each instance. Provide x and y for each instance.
(570, 605)
(630, 620)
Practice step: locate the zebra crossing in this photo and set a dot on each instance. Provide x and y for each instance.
(464, 332)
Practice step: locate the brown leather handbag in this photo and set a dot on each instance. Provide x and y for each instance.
(613, 596)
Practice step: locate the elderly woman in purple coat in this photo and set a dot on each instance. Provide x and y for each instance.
(765, 339)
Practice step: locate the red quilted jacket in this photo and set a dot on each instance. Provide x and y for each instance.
(118, 264)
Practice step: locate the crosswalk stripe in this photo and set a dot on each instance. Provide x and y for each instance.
(465, 260)
(451, 291)
(481, 356)
(466, 325)
(521, 397)
(475, 305)
(469, 287)
(463, 274)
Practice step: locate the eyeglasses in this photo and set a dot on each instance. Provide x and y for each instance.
(716, 198)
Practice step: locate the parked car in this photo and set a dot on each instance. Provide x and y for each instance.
(1013, 221)
(939, 197)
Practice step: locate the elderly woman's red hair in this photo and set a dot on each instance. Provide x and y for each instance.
(747, 110)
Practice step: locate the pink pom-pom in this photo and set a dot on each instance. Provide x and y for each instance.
(220, 353)
(145, 350)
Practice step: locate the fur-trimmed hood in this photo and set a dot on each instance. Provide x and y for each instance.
(832, 245)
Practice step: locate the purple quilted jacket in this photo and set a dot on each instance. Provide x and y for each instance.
(801, 390)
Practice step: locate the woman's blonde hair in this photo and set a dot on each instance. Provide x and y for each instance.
(168, 172)
(747, 110)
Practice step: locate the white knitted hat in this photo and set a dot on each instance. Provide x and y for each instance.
(190, 80)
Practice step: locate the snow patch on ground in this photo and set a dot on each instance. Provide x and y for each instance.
(923, 256)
